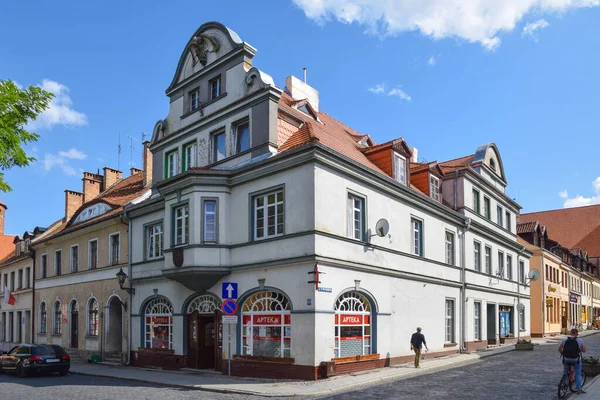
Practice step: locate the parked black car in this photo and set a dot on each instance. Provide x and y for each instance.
(27, 358)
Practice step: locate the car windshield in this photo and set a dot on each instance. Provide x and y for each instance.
(41, 351)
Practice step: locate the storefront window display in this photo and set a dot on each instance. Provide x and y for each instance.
(159, 324)
(352, 325)
(266, 327)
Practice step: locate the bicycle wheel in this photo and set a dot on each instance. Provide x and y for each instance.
(563, 387)
(573, 384)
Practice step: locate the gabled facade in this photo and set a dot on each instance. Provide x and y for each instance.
(256, 187)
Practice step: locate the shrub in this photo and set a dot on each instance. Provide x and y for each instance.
(591, 360)
(523, 341)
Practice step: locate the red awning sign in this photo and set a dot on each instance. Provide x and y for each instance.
(267, 319)
(348, 319)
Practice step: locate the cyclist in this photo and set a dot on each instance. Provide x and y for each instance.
(571, 348)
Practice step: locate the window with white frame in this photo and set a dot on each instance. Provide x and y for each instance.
(434, 188)
(190, 151)
(509, 267)
(93, 254)
(28, 277)
(20, 278)
(400, 168)
(477, 317)
(500, 213)
(171, 164)
(154, 241)
(449, 248)
(74, 258)
(508, 221)
(158, 322)
(476, 256)
(487, 207)
(114, 241)
(268, 215)
(43, 317)
(353, 329)
(242, 136)
(449, 321)
(417, 236)
(57, 262)
(266, 325)
(43, 265)
(476, 200)
(218, 146)
(57, 320)
(500, 271)
(209, 231)
(356, 217)
(488, 260)
(12, 281)
(93, 317)
(215, 87)
(194, 96)
(181, 225)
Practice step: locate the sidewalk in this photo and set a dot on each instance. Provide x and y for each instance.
(275, 388)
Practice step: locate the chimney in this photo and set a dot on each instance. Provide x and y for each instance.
(91, 186)
(73, 200)
(3, 209)
(415, 155)
(300, 90)
(111, 176)
(133, 171)
(147, 163)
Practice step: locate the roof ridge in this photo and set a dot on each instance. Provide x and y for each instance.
(457, 158)
(561, 209)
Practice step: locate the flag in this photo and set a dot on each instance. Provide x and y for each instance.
(8, 296)
(11, 299)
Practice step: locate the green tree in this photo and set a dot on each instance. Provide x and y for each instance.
(17, 108)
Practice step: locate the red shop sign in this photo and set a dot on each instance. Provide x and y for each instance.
(345, 319)
(267, 319)
(160, 320)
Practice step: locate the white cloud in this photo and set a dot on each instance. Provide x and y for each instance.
(60, 111)
(532, 27)
(476, 21)
(61, 160)
(380, 89)
(431, 61)
(564, 194)
(580, 200)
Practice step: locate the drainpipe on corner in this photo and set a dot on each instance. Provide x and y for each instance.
(129, 271)
(542, 272)
(519, 296)
(463, 287)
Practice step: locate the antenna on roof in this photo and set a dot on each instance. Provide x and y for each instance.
(119, 153)
(131, 148)
(304, 74)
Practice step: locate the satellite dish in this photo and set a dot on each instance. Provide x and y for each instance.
(534, 274)
(382, 228)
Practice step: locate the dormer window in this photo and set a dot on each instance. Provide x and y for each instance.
(434, 188)
(215, 88)
(195, 99)
(92, 212)
(493, 164)
(400, 168)
(242, 137)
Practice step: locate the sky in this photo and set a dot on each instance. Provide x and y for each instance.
(446, 75)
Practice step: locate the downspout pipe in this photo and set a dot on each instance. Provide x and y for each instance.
(544, 308)
(463, 286)
(455, 190)
(129, 270)
(519, 294)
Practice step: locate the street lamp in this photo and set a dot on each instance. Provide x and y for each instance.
(121, 276)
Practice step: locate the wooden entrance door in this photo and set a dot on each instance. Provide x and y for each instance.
(204, 340)
(74, 325)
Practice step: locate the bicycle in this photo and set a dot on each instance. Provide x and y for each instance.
(567, 382)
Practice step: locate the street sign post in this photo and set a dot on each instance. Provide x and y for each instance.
(229, 308)
(229, 290)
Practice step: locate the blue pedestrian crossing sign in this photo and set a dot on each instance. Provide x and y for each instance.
(229, 290)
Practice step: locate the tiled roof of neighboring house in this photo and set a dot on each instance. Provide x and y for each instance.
(116, 196)
(329, 132)
(418, 167)
(7, 246)
(457, 164)
(11, 258)
(571, 227)
(526, 227)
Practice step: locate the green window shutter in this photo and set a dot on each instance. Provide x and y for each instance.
(184, 160)
(166, 165)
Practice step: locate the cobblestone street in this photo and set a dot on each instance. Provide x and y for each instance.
(513, 375)
(519, 375)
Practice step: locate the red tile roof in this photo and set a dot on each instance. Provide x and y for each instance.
(457, 164)
(7, 247)
(526, 227)
(572, 227)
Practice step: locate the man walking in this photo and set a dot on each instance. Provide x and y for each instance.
(571, 348)
(416, 343)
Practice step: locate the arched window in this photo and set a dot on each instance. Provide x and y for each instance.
(93, 317)
(266, 325)
(352, 325)
(204, 304)
(57, 320)
(43, 314)
(159, 324)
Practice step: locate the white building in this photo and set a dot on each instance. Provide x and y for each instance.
(254, 186)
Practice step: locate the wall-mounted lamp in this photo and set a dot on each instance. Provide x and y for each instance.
(121, 276)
